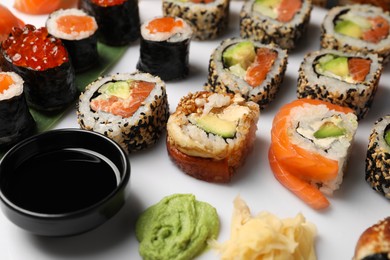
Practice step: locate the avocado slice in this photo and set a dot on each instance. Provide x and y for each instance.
(348, 28)
(120, 89)
(213, 124)
(329, 129)
(242, 53)
(337, 66)
(387, 137)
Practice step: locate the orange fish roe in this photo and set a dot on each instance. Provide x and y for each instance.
(34, 48)
(75, 23)
(5, 82)
(105, 3)
(163, 24)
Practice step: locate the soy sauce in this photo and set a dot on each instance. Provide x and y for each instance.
(62, 181)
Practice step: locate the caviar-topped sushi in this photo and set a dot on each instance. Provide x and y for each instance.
(43, 63)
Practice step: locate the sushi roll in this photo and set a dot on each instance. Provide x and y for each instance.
(118, 20)
(247, 67)
(346, 79)
(210, 134)
(208, 18)
(43, 62)
(16, 122)
(310, 145)
(279, 21)
(78, 32)
(164, 47)
(130, 108)
(357, 28)
(378, 157)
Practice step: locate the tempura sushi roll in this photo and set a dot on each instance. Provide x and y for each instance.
(253, 69)
(310, 145)
(16, 122)
(118, 20)
(164, 47)
(43, 62)
(78, 32)
(279, 21)
(208, 18)
(346, 79)
(130, 108)
(378, 154)
(357, 28)
(210, 134)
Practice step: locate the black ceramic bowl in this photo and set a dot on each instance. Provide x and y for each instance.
(63, 182)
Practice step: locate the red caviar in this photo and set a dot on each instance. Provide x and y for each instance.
(5, 82)
(34, 48)
(105, 3)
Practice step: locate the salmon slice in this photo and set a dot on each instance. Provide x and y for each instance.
(379, 30)
(287, 10)
(303, 190)
(258, 70)
(37, 7)
(7, 22)
(359, 68)
(140, 90)
(75, 23)
(5, 82)
(163, 24)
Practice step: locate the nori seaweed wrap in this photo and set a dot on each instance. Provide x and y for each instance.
(78, 32)
(16, 122)
(165, 53)
(118, 20)
(43, 64)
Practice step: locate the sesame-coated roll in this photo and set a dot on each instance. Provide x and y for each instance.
(130, 108)
(346, 79)
(208, 18)
(378, 157)
(357, 28)
(281, 22)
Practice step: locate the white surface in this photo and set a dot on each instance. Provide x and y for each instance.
(353, 208)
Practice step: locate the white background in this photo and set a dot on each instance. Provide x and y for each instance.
(353, 208)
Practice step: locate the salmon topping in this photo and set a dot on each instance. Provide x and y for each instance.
(105, 3)
(5, 82)
(37, 7)
(7, 22)
(258, 70)
(163, 24)
(75, 23)
(379, 30)
(34, 48)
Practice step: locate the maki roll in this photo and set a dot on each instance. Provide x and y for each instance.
(378, 157)
(208, 18)
(279, 21)
(164, 47)
(118, 20)
(43, 63)
(78, 32)
(210, 134)
(346, 79)
(16, 122)
(357, 28)
(130, 108)
(247, 67)
(310, 145)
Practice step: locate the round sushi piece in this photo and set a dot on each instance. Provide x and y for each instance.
(378, 157)
(310, 145)
(118, 20)
(374, 242)
(210, 134)
(247, 67)
(164, 47)
(208, 18)
(346, 79)
(130, 108)
(279, 21)
(16, 122)
(78, 32)
(43, 62)
(357, 28)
